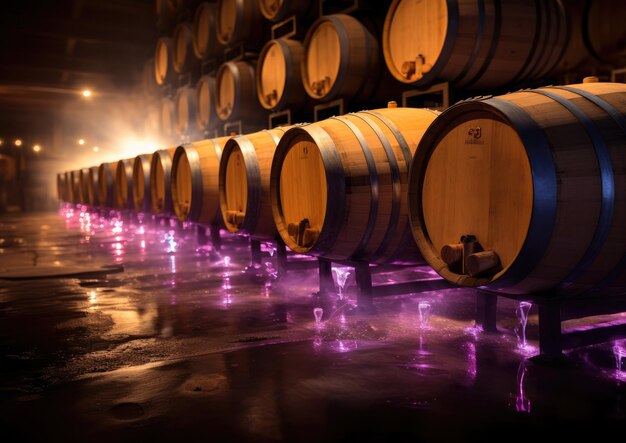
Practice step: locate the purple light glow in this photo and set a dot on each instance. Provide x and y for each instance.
(523, 308)
(522, 403)
(318, 313)
(424, 308)
(472, 369)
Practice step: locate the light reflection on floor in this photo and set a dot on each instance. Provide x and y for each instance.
(191, 338)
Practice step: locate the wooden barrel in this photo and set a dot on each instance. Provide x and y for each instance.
(83, 184)
(278, 77)
(235, 94)
(92, 187)
(604, 32)
(148, 79)
(141, 183)
(244, 183)
(123, 184)
(240, 21)
(160, 187)
(277, 10)
(61, 187)
(163, 61)
(183, 57)
(341, 59)
(338, 187)
(186, 111)
(535, 183)
(76, 194)
(205, 43)
(106, 185)
(205, 98)
(69, 187)
(168, 119)
(473, 43)
(195, 191)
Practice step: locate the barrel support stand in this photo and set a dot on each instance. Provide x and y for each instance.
(283, 264)
(216, 238)
(366, 290)
(553, 310)
(256, 256)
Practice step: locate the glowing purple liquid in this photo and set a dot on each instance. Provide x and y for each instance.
(318, 313)
(424, 309)
(341, 275)
(522, 315)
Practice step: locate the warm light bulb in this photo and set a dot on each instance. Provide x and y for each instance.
(96, 149)
(36, 148)
(86, 93)
(18, 142)
(81, 141)
(1, 142)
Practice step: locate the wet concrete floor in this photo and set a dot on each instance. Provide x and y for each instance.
(189, 343)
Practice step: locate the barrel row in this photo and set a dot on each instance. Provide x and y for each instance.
(472, 44)
(521, 193)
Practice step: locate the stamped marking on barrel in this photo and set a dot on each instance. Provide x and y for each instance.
(474, 135)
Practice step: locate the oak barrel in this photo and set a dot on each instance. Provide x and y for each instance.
(106, 185)
(69, 187)
(205, 43)
(536, 179)
(240, 21)
(341, 59)
(205, 98)
(61, 192)
(338, 187)
(141, 183)
(183, 58)
(163, 59)
(76, 194)
(123, 184)
(604, 32)
(186, 111)
(235, 94)
(92, 187)
(473, 44)
(83, 183)
(278, 75)
(160, 185)
(244, 183)
(277, 10)
(194, 181)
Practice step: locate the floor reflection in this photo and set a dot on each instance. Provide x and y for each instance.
(191, 338)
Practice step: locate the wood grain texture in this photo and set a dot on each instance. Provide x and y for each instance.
(473, 44)
(205, 42)
(240, 21)
(205, 98)
(235, 95)
(338, 51)
(163, 69)
(160, 173)
(106, 186)
(373, 149)
(278, 77)
(186, 111)
(487, 186)
(244, 183)
(183, 58)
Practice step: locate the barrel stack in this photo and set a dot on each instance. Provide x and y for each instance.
(518, 193)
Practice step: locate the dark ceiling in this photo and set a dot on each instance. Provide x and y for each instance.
(51, 50)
